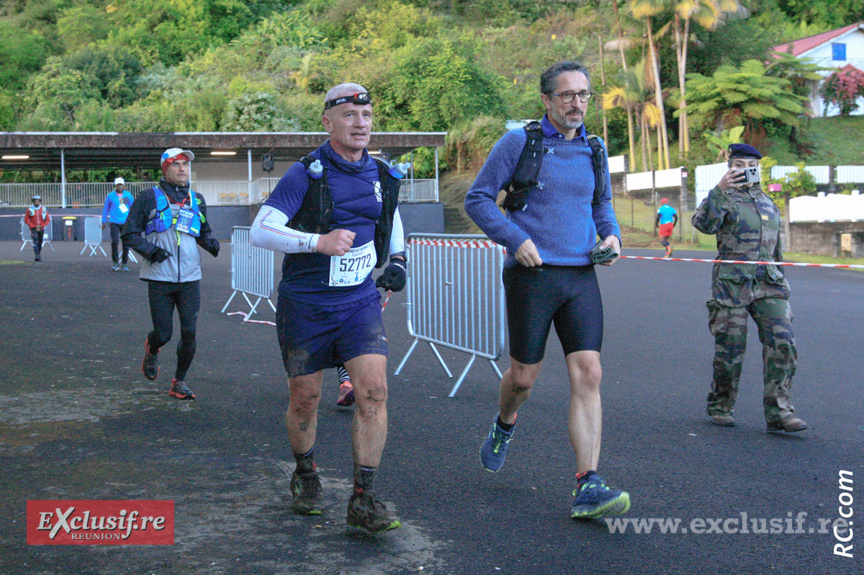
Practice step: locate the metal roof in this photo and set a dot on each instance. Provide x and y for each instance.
(806, 44)
(91, 150)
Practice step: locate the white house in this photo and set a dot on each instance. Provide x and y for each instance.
(834, 49)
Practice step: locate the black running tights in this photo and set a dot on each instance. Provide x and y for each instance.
(164, 297)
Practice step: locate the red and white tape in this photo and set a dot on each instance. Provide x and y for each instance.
(796, 264)
(456, 243)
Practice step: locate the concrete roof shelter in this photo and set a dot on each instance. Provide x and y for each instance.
(63, 151)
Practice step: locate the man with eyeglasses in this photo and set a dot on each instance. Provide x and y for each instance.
(549, 276)
(334, 215)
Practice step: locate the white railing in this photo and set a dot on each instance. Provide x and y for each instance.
(651, 180)
(822, 174)
(261, 188)
(251, 271)
(223, 193)
(827, 208)
(850, 174)
(455, 297)
(418, 191)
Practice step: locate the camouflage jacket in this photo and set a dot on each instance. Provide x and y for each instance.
(747, 226)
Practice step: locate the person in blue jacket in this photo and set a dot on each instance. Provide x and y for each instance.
(549, 276)
(114, 213)
(166, 225)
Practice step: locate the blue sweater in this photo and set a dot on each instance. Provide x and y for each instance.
(559, 217)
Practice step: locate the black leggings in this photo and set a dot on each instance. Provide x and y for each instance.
(115, 241)
(164, 297)
(37, 239)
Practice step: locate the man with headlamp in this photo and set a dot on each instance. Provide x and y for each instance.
(334, 216)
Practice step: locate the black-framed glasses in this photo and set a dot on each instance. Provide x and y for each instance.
(360, 98)
(568, 97)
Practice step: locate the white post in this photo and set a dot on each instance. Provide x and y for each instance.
(249, 165)
(62, 178)
(437, 197)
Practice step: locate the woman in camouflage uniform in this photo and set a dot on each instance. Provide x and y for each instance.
(747, 225)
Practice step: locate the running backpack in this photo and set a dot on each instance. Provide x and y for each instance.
(315, 215)
(525, 175)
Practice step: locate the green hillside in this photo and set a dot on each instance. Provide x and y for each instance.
(458, 66)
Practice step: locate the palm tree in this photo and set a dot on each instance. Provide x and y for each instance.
(646, 10)
(708, 14)
(635, 95)
(624, 96)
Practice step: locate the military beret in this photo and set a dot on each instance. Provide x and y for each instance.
(743, 151)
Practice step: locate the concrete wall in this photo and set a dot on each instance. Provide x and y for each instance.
(824, 238)
(428, 218)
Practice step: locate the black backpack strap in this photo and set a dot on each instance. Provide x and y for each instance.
(316, 212)
(599, 167)
(390, 199)
(527, 169)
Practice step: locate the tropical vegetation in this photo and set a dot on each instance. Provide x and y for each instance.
(674, 75)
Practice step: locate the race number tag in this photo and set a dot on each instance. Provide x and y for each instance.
(186, 222)
(354, 267)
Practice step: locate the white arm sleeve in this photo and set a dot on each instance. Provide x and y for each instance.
(269, 232)
(397, 236)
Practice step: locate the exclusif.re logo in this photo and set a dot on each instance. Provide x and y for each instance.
(68, 522)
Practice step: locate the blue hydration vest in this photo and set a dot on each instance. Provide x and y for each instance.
(165, 218)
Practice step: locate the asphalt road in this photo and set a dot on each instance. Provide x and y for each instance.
(78, 421)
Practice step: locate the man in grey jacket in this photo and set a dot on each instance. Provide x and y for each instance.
(166, 225)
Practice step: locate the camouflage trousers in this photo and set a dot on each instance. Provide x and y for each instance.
(773, 316)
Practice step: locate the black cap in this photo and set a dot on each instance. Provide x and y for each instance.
(743, 151)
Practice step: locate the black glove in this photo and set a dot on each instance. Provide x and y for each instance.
(158, 256)
(394, 276)
(212, 246)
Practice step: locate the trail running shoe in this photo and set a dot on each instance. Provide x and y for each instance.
(306, 490)
(346, 394)
(150, 365)
(180, 391)
(494, 448)
(595, 499)
(364, 510)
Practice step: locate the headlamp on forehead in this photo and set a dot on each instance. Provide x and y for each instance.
(360, 98)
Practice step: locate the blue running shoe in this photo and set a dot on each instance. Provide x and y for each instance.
(494, 448)
(595, 499)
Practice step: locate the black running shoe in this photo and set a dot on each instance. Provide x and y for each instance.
(180, 391)
(364, 510)
(306, 490)
(150, 365)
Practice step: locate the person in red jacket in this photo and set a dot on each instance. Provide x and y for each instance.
(37, 220)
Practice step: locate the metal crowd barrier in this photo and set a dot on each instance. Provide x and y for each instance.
(456, 297)
(93, 235)
(26, 238)
(251, 270)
